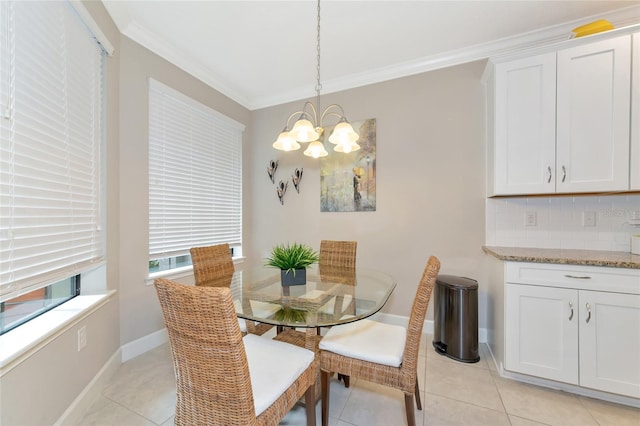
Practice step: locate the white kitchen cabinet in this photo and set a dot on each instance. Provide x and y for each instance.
(610, 342)
(542, 332)
(593, 110)
(634, 183)
(561, 120)
(525, 125)
(574, 324)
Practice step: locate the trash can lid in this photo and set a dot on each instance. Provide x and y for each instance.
(457, 282)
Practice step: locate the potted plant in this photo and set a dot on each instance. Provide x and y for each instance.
(293, 261)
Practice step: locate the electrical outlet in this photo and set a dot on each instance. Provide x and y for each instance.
(530, 219)
(589, 219)
(82, 337)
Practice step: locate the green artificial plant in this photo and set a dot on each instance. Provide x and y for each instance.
(292, 256)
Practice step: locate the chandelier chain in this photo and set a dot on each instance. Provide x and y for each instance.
(304, 130)
(318, 84)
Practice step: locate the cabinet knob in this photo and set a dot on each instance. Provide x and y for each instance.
(549, 170)
(571, 307)
(588, 312)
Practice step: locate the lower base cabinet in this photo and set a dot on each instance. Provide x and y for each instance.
(573, 330)
(610, 342)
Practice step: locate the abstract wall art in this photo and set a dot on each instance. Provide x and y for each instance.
(348, 181)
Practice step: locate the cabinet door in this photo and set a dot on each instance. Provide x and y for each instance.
(610, 342)
(542, 332)
(635, 116)
(525, 109)
(593, 109)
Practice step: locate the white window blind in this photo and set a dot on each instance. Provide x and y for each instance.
(51, 112)
(195, 175)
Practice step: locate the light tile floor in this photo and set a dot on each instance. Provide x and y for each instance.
(142, 392)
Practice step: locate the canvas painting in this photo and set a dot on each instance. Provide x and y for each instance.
(348, 181)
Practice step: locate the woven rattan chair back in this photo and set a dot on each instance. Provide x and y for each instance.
(212, 374)
(338, 254)
(213, 267)
(211, 262)
(403, 377)
(337, 264)
(418, 312)
(210, 362)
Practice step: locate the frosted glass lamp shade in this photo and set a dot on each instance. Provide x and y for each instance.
(316, 150)
(347, 147)
(286, 142)
(343, 133)
(303, 131)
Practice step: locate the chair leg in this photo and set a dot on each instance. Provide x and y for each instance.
(411, 414)
(345, 379)
(324, 381)
(310, 405)
(417, 394)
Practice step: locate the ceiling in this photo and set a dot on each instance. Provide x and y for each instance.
(263, 53)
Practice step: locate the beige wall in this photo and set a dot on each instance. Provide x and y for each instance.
(53, 377)
(139, 309)
(430, 181)
(39, 390)
(430, 200)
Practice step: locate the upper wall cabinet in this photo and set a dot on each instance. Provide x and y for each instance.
(525, 126)
(635, 115)
(593, 110)
(561, 121)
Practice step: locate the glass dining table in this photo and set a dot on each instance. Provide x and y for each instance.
(331, 296)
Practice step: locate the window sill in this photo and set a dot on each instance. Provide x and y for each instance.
(177, 273)
(22, 342)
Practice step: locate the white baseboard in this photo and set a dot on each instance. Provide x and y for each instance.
(138, 347)
(90, 393)
(618, 399)
(130, 350)
(427, 328)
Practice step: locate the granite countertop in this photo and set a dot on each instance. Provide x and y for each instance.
(617, 259)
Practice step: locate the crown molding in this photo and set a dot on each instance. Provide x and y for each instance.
(166, 50)
(545, 37)
(529, 41)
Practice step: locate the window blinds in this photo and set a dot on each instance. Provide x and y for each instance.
(195, 175)
(50, 101)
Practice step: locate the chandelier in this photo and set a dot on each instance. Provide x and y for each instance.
(307, 128)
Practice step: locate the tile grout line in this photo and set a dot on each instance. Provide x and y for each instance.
(504, 407)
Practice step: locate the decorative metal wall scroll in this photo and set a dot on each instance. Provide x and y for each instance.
(281, 187)
(281, 190)
(296, 177)
(271, 170)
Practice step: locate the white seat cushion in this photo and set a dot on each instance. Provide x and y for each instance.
(264, 309)
(367, 340)
(329, 307)
(243, 325)
(261, 309)
(312, 294)
(273, 367)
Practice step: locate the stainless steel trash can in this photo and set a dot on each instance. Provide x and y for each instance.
(456, 318)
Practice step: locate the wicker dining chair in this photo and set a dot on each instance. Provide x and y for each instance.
(211, 262)
(338, 264)
(213, 267)
(223, 378)
(380, 353)
(340, 254)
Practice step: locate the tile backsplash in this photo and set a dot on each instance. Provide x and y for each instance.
(568, 222)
